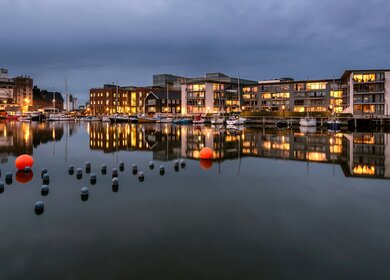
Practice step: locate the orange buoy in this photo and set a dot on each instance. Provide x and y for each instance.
(206, 163)
(24, 160)
(206, 153)
(23, 177)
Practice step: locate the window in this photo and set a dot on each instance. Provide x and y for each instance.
(313, 86)
(266, 95)
(362, 78)
(336, 93)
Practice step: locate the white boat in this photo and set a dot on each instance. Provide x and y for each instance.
(234, 129)
(217, 119)
(106, 119)
(165, 120)
(235, 120)
(307, 129)
(308, 122)
(60, 117)
(25, 118)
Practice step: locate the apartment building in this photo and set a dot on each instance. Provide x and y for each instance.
(213, 93)
(367, 92)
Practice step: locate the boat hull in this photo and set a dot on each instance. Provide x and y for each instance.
(308, 122)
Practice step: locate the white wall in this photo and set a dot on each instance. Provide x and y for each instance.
(387, 93)
(209, 100)
(184, 99)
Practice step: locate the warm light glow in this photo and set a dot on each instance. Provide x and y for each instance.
(366, 139)
(267, 145)
(336, 93)
(364, 170)
(315, 156)
(299, 109)
(364, 78)
(282, 146)
(314, 86)
(336, 149)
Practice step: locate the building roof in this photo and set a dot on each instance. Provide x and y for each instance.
(348, 72)
(45, 95)
(161, 93)
(218, 78)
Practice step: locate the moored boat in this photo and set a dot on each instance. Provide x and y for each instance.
(333, 124)
(308, 122)
(198, 120)
(13, 116)
(119, 118)
(182, 121)
(60, 117)
(235, 120)
(145, 119)
(217, 119)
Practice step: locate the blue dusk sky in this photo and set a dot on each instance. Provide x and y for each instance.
(92, 42)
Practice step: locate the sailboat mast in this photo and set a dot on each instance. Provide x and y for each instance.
(239, 92)
(167, 101)
(66, 95)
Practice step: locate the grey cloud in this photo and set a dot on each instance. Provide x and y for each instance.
(95, 42)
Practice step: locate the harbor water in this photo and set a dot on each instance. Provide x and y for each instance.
(272, 204)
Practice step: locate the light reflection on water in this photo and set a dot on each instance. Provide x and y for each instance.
(271, 204)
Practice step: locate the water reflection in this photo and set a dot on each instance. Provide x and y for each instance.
(360, 154)
(18, 138)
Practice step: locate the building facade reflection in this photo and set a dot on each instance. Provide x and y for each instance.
(18, 138)
(359, 154)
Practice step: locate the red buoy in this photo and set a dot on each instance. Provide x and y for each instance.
(206, 163)
(23, 177)
(24, 160)
(206, 153)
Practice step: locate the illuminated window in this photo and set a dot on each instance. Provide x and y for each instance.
(299, 109)
(360, 78)
(266, 95)
(313, 86)
(198, 87)
(281, 95)
(336, 93)
(364, 170)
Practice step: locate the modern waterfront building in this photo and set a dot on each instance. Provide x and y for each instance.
(297, 96)
(363, 93)
(164, 80)
(367, 92)
(213, 93)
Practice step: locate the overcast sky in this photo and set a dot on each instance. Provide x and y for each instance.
(92, 42)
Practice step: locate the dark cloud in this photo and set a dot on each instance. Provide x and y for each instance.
(96, 42)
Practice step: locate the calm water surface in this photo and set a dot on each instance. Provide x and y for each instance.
(271, 205)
